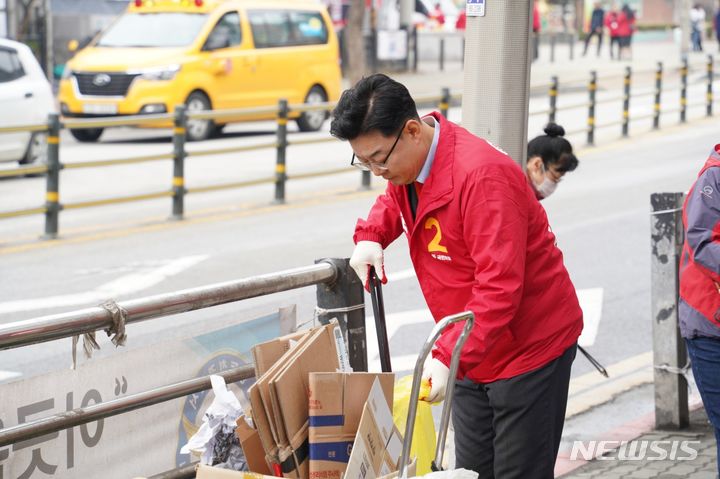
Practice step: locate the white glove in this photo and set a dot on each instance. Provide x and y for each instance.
(365, 255)
(437, 373)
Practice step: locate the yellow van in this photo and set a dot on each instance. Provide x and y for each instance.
(206, 54)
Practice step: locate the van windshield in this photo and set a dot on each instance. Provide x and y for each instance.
(169, 29)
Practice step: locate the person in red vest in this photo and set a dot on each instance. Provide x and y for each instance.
(625, 30)
(537, 26)
(479, 240)
(611, 22)
(461, 22)
(699, 306)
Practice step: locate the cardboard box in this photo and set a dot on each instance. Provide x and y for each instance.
(209, 472)
(323, 352)
(335, 406)
(252, 447)
(378, 443)
(280, 397)
(266, 354)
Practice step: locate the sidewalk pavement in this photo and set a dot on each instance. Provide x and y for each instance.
(699, 437)
(429, 80)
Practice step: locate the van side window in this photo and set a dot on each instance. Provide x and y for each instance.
(10, 66)
(275, 28)
(226, 33)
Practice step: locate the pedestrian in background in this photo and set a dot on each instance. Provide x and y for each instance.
(480, 241)
(700, 286)
(549, 157)
(597, 21)
(626, 29)
(716, 25)
(537, 26)
(697, 26)
(611, 22)
(438, 16)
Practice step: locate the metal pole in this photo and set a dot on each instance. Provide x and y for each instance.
(666, 236)
(658, 94)
(65, 325)
(442, 54)
(496, 82)
(683, 91)
(378, 305)
(344, 299)
(280, 172)
(626, 102)
(710, 77)
(445, 102)
(553, 39)
(178, 183)
(365, 180)
(79, 416)
(52, 185)
(592, 89)
(571, 44)
(553, 99)
(415, 49)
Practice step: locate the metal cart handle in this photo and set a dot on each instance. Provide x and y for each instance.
(440, 326)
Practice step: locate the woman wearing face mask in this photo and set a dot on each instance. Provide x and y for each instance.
(550, 156)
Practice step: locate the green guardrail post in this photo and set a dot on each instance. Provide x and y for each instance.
(658, 94)
(52, 189)
(178, 183)
(280, 174)
(445, 102)
(626, 102)
(592, 89)
(553, 93)
(683, 91)
(710, 77)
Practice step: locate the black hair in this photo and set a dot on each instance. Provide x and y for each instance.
(554, 149)
(377, 103)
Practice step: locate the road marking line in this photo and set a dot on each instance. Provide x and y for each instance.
(121, 286)
(5, 375)
(591, 300)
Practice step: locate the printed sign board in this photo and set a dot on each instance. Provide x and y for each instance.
(138, 443)
(475, 8)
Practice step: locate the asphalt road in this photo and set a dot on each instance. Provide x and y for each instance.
(600, 216)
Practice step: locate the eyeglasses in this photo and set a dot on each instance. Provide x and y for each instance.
(368, 166)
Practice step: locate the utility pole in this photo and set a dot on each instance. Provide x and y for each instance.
(682, 14)
(497, 73)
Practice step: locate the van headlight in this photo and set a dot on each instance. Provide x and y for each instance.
(66, 73)
(164, 73)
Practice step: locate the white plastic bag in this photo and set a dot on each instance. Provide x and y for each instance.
(216, 442)
(452, 474)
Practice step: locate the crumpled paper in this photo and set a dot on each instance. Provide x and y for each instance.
(216, 442)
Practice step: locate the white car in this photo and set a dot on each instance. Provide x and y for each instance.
(25, 99)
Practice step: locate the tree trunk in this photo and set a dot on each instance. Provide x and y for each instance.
(355, 44)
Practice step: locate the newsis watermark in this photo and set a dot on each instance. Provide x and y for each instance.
(640, 450)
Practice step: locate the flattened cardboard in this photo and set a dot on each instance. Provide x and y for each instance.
(266, 354)
(335, 407)
(378, 443)
(252, 448)
(289, 393)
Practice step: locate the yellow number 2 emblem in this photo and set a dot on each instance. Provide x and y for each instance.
(434, 245)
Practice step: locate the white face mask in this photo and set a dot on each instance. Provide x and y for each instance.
(546, 188)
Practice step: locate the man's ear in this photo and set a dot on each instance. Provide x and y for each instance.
(413, 129)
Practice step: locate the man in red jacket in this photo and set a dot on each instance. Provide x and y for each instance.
(479, 241)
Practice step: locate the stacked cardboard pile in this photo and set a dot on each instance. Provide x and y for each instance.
(314, 418)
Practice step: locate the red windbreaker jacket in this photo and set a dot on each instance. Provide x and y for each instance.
(481, 242)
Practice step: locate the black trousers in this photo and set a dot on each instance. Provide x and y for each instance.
(589, 37)
(511, 428)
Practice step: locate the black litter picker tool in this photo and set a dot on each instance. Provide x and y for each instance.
(594, 362)
(380, 325)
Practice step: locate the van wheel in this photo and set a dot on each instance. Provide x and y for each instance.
(36, 153)
(198, 130)
(313, 120)
(87, 135)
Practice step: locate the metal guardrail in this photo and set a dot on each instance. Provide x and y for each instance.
(338, 291)
(284, 111)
